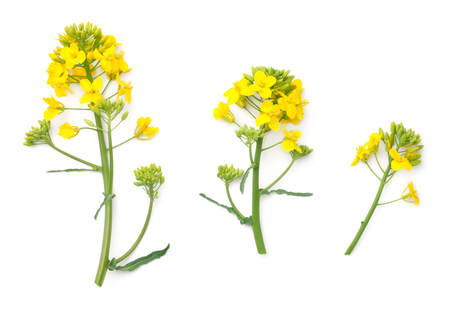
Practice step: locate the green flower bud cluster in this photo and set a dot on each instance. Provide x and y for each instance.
(400, 136)
(109, 108)
(305, 151)
(248, 135)
(150, 178)
(283, 78)
(229, 174)
(38, 134)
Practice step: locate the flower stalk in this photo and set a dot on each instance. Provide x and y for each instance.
(256, 196)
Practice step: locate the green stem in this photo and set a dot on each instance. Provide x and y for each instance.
(271, 146)
(138, 240)
(112, 95)
(67, 108)
(250, 153)
(391, 176)
(95, 167)
(281, 175)
(238, 213)
(372, 170)
(378, 162)
(106, 86)
(133, 137)
(106, 243)
(393, 201)
(371, 211)
(256, 201)
(236, 124)
(249, 112)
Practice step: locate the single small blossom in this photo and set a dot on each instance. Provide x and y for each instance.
(288, 104)
(412, 194)
(290, 141)
(362, 153)
(373, 142)
(124, 89)
(263, 83)
(66, 131)
(223, 112)
(240, 88)
(52, 111)
(72, 55)
(269, 115)
(143, 128)
(92, 90)
(399, 162)
(105, 58)
(57, 78)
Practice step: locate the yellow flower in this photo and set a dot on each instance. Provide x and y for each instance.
(412, 193)
(124, 88)
(223, 112)
(288, 104)
(373, 142)
(263, 84)
(66, 131)
(105, 58)
(290, 141)
(362, 153)
(143, 128)
(298, 90)
(52, 110)
(399, 162)
(111, 40)
(240, 88)
(269, 115)
(72, 55)
(91, 89)
(57, 78)
(118, 65)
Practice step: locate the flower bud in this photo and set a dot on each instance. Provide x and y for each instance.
(248, 77)
(415, 162)
(276, 74)
(285, 74)
(125, 115)
(83, 35)
(284, 87)
(381, 133)
(403, 139)
(289, 79)
(97, 33)
(393, 127)
(56, 58)
(391, 140)
(90, 123)
(271, 71)
(81, 26)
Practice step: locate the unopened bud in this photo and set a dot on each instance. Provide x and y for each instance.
(415, 162)
(125, 115)
(90, 123)
(393, 127)
(56, 58)
(289, 79)
(97, 33)
(285, 74)
(248, 77)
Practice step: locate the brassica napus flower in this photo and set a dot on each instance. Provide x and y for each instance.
(263, 83)
(105, 58)
(408, 155)
(241, 87)
(52, 111)
(269, 115)
(124, 89)
(399, 162)
(289, 104)
(362, 153)
(290, 141)
(374, 139)
(412, 194)
(57, 78)
(92, 90)
(66, 131)
(143, 128)
(223, 112)
(73, 55)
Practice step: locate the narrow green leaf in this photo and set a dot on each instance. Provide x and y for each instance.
(280, 192)
(71, 170)
(244, 178)
(108, 197)
(230, 210)
(133, 265)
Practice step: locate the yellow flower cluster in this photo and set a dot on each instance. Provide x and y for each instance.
(278, 98)
(84, 51)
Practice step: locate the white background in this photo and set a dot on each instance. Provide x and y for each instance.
(363, 65)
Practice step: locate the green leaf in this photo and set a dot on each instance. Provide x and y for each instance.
(108, 197)
(133, 265)
(244, 178)
(248, 221)
(230, 210)
(71, 170)
(280, 192)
